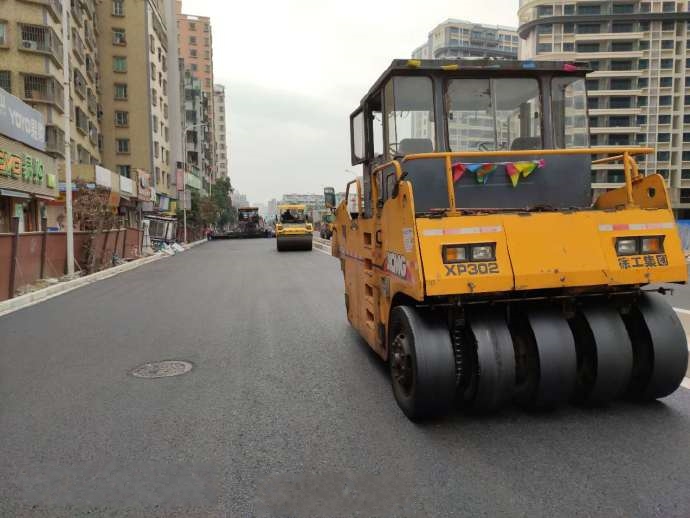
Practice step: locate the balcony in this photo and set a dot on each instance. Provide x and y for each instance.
(93, 133)
(79, 83)
(77, 12)
(606, 36)
(54, 7)
(40, 39)
(81, 120)
(90, 37)
(632, 91)
(43, 89)
(607, 130)
(92, 102)
(77, 46)
(55, 141)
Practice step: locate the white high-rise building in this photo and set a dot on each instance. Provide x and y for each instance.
(640, 53)
(459, 38)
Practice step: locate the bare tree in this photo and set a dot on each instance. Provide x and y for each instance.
(93, 214)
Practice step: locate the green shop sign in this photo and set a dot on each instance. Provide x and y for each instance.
(21, 167)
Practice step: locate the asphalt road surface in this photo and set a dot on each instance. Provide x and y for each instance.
(285, 413)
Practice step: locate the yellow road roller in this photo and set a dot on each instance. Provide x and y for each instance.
(476, 262)
(293, 230)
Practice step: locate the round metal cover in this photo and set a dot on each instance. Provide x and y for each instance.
(162, 369)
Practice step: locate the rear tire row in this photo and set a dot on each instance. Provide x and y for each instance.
(536, 357)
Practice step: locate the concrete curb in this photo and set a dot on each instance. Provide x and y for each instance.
(29, 299)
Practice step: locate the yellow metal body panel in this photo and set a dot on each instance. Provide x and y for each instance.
(294, 229)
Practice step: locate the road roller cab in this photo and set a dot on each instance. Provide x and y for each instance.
(293, 229)
(474, 257)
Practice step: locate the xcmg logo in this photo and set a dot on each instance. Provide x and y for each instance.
(396, 264)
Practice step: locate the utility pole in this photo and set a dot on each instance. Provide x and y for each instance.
(66, 46)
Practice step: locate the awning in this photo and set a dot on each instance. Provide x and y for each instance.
(14, 194)
(44, 197)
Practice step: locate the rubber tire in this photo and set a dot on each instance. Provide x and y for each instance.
(552, 361)
(660, 348)
(279, 246)
(433, 391)
(604, 355)
(492, 383)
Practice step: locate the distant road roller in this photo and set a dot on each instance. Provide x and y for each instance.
(475, 262)
(293, 230)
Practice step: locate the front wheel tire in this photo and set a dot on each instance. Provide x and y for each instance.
(422, 364)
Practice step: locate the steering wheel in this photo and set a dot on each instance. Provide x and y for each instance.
(393, 148)
(484, 146)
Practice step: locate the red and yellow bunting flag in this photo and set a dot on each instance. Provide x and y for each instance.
(514, 170)
(458, 170)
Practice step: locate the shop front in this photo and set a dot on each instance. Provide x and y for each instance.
(28, 184)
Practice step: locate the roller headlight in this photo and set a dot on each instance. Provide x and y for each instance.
(482, 252)
(454, 254)
(627, 246)
(469, 253)
(652, 245)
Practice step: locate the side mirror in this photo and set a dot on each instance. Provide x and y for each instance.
(396, 189)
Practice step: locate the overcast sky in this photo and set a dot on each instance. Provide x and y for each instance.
(295, 69)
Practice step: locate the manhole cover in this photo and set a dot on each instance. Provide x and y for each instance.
(162, 369)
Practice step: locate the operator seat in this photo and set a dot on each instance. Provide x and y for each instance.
(409, 146)
(521, 143)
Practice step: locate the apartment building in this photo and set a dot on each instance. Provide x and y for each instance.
(198, 150)
(460, 38)
(640, 54)
(31, 68)
(220, 130)
(195, 46)
(134, 60)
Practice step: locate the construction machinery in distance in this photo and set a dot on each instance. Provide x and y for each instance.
(474, 259)
(250, 224)
(293, 230)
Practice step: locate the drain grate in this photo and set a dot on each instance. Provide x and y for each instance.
(162, 369)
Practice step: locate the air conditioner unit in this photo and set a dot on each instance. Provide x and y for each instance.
(30, 44)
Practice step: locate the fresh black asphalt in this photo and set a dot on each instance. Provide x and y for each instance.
(286, 413)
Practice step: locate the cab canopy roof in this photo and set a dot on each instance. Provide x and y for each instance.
(468, 67)
(296, 206)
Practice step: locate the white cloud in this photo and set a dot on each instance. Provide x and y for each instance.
(295, 69)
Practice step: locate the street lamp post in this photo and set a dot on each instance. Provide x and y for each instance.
(184, 180)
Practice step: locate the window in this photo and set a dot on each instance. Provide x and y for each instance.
(668, 25)
(155, 124)
(669, 7)
(593, 103)
(568, 47)
(192, 53)
(152, 44)
(619, 121)
(622, 27)
(120, 91)
(568, 28)
(207, 42)
(623, 8)
(621, 84)
(668, 44)
(642, 82)
(119, 64)
(545, 10)
(588, 47)
(118, 7)
(621, 46)
(642, 64)
(6, 80)
(543, 47)
(686, 118)
(664, 137)
(640, 138)
(122, 145)
(192, 26)
(154, 97)
(686, 156)
(544, 29)
(664, 119)
(641, 120)
(588, 28)
(665, 82)
(620, 102)
(194, 67)
(588, 9)
(644, 7)
(665, 100)
(121, 119)
(662, 156)
(3, 33)
(687, 100)
(156, 149)
(192, 40)
(685, 174)
(569, 9)
(641, 102)
(119, 37)
(592, 84)
(643, 44)
(569, 108)
(514, 121)
(621, 65)
(124, 170)
(644, 26)
(666, 63)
